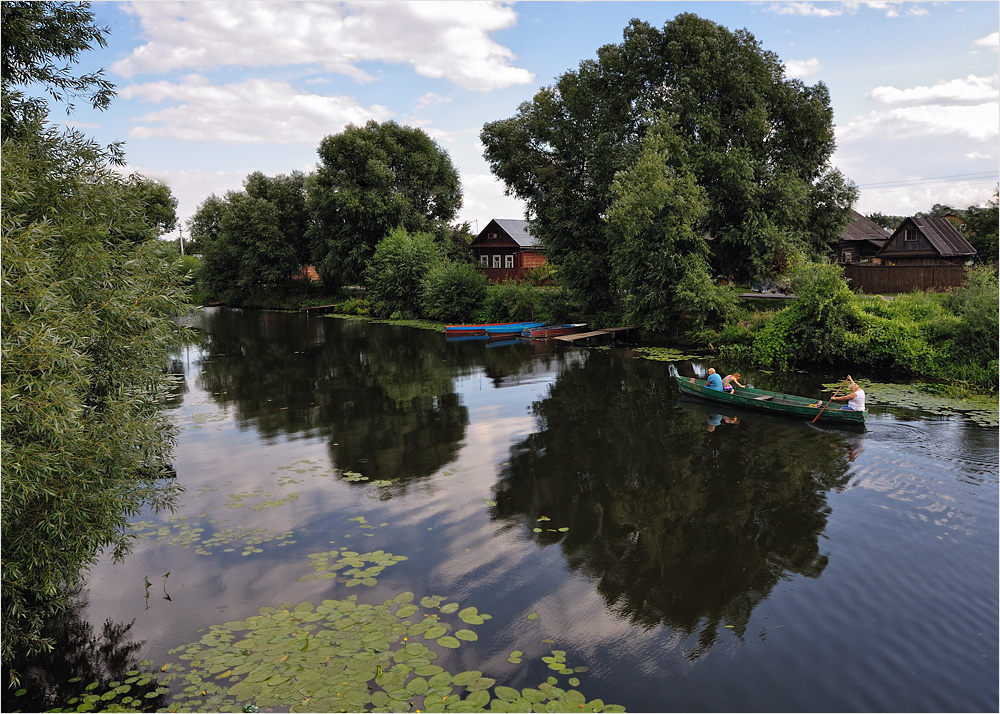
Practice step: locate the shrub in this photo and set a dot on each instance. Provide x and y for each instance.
(452, 292)
(511, 302)
(396, 272)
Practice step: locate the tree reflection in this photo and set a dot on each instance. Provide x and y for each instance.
(382, 396)
(678, 525)
(84, 656)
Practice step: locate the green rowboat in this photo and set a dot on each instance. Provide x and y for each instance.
(772, 402)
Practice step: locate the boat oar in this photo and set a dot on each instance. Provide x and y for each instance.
(831, 399)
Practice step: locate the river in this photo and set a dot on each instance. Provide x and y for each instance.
(660, 558)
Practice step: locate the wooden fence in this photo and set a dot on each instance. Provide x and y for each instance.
(874, 279)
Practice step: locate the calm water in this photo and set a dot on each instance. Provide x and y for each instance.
(763, 565)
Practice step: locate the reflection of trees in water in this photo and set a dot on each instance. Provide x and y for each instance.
(383, 396)
(678, 526)
(79, 652)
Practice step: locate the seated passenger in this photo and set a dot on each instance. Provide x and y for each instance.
(714, 380)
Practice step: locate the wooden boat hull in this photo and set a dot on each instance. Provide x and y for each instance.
(486, 329)
(544, 333)
(777, 403)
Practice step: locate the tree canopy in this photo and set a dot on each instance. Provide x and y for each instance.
(756, 143)
(370, 180)
(252, 241)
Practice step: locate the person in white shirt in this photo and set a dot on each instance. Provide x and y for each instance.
(855, 399)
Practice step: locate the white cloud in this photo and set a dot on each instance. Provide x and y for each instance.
(256, 111)
(429, 100)
(809, 9)
(448, 40)
(979, 123)
(796, 69)
(991, 41)
(971, 90)
(837, 9)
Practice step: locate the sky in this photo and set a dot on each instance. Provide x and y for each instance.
(211, 91)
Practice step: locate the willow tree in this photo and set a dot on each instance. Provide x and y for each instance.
(756, 142)
(86, 322)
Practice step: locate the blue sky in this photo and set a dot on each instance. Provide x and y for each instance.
(210, 91)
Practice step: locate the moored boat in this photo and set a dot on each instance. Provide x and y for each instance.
(788, 405)
(499, 327)
(511, 330)
(546, 331)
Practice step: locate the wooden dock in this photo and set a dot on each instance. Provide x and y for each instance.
(588, 336)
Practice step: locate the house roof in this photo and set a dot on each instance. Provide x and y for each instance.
(518, 231)
(861, 228)
(945, 238)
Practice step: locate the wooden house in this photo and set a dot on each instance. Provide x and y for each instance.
(860, 241)
(926, 241)
(921, 254)
(506, 250)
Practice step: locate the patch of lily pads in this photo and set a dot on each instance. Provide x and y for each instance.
(666, 354)
(346, 656)
(351, 567)
(928, 398)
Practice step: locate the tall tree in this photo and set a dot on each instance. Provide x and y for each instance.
(370, 180)
(86, 322)
(657, 248)
(757, 143)
(287, 193)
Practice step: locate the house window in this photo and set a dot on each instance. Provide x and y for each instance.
(508, 261)
(484, 260)
(848, 256)
(909, 234)
(496, 260)
(491, 235)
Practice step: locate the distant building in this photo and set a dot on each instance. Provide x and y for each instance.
(860, 241)
(506, 250)
(926, 241)
(921, 254)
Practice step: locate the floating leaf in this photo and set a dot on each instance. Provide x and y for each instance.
(449, 642)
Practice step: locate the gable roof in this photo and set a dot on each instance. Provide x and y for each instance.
(861, 228)
(517, 230)
(941, 234)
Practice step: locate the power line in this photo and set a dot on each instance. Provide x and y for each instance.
(954, 178)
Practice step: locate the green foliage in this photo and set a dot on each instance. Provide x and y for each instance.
(886, 221)
(41, 43)
(453, 292)
(982, 228)
(658, 260)
(757, 143)
(370, 180)
(352, 306)
(396, 272)
(252, 242)
(511, 302)
(915, 335)
(86, 324)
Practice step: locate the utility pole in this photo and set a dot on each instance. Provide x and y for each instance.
(180, 230)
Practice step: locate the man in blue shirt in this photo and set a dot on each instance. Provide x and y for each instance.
(714, 380)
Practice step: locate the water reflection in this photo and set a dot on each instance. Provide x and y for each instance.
(678, 513)
(80, 651)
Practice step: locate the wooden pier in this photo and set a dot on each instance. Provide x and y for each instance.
(588, 336)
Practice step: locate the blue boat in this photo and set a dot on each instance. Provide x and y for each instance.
(513, 328)
(489, 328)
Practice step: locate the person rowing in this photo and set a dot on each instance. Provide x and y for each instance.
(855, 398)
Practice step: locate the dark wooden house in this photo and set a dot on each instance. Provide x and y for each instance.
(921, 254)
(506, 250)
(861, 241)
(926, 241)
